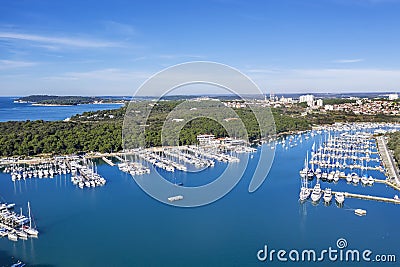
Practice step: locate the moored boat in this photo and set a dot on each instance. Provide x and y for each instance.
(339, 197)
(316, 193)
(327, 195)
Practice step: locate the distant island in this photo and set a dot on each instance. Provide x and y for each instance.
(53, 100)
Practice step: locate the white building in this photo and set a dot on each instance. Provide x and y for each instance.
(319, 103)
(285, 100)
(306, 98)
(205, 138)
(393, 96)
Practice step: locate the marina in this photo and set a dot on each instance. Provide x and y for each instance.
(16, 225)
(336, 197)
(348, 155)
(84, 172)
(80, 214)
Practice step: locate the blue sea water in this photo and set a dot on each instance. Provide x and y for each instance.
(120, 225)
(10, 111)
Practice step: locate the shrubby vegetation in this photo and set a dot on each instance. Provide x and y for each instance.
(394, 145)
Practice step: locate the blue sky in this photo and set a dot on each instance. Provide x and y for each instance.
(98, 48)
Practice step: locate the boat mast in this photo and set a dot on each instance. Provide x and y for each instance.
(29, 214)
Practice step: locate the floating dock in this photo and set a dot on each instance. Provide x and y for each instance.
(375, 198)
(175, 198)
(109, 162)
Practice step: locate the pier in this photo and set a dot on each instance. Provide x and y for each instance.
(118, 157)
(109, 162)
(388, 161)
(375, 198)
(366, 197)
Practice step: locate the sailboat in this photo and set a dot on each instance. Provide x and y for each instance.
(12, 236)
(29, 230)
(304, 171)
(310, 172)
(364, 178)
(304, 190)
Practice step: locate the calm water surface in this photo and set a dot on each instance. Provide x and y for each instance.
(10, 111)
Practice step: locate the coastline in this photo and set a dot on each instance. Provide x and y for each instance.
(51, 105)
(66, 105)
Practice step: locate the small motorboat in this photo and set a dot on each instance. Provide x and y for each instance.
(360, 212)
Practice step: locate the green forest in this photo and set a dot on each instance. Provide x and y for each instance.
(43, 137)
(61, 100)
(101, 131)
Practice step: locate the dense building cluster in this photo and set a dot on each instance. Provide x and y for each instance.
(367, 107)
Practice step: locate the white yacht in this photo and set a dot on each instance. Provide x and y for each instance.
(336, 176)
(327, 195)
(339, 197)
(364, 180)
(360, 212)
(355, 178)
(330, 176)
(316, 193)
(21, 234)
(310, 174)
(349, 178)
(371, 180)
(12, 236)
(304, 193)
(318, 173)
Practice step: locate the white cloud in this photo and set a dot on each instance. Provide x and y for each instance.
(11, 64)
(111, 74)
(65, 41)
(114, 81)
(118, 27)
(328, 80)
(265, 71)
(348, 60)
(178, 56)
